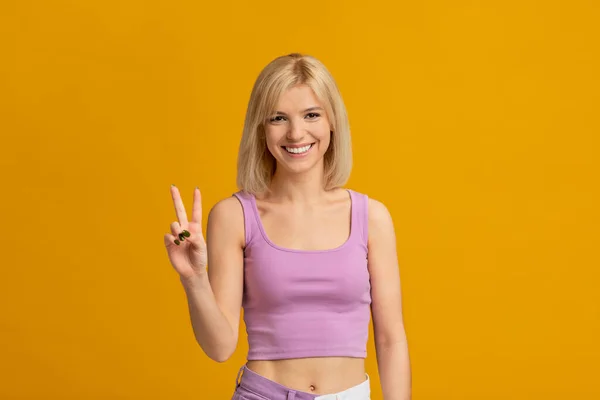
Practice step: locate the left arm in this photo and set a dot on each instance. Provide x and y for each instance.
(390, 337)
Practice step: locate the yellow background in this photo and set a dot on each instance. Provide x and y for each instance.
(476, 123)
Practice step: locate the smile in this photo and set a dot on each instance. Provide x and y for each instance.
(298, 150)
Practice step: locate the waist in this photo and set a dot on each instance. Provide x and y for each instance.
(315, 375)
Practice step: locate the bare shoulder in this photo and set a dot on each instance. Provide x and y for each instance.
(228, 216)
(379, 215)
(229, 207)
(381, 225)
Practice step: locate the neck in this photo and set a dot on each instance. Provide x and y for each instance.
(298, 188)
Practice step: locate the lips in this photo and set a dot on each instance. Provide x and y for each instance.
(298, 149)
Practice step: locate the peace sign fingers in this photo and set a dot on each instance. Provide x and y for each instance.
(185, 245)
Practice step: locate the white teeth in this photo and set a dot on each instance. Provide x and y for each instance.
(298, 150)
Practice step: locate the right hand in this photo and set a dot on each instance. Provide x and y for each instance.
(189, 257)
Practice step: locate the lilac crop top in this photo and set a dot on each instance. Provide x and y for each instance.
(306, 303)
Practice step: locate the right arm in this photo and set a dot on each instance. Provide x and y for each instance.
(215, 295)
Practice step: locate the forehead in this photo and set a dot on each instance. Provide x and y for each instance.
(298, 97)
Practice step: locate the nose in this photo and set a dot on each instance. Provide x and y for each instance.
(295, 132)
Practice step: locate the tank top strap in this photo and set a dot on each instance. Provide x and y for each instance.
(360, 216)
(250, 218)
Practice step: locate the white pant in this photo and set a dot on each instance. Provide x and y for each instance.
(362, 391)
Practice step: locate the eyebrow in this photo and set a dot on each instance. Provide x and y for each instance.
(304, 111)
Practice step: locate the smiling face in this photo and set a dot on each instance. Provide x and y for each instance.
(298, 132)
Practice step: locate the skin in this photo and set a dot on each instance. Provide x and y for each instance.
(297, 213)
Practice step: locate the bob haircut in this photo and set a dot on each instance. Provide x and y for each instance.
(255, 164)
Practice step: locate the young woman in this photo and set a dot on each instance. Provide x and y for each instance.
(309, 261)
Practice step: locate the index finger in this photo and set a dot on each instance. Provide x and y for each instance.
(179, 207)
(197, 208)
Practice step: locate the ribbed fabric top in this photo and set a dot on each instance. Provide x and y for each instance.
(306, 303)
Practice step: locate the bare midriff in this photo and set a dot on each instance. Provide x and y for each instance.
(316, 375)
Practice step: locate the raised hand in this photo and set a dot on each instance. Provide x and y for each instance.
(185, 245)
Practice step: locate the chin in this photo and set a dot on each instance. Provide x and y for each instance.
(300, 168)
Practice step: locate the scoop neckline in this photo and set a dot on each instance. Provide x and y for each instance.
(290, 250)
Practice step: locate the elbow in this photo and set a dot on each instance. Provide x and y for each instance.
(221, 358)
(221, 354)
(218, 348)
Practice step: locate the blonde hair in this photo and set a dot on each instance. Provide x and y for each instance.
(256, 165)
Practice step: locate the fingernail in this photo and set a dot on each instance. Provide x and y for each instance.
(181, 237)
(186, 233)
(172, 185)
(177, 242)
